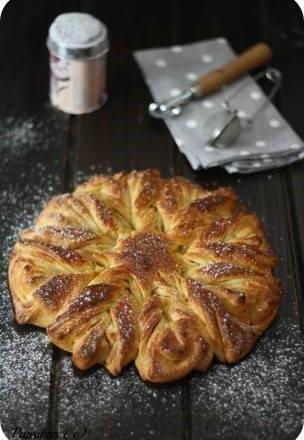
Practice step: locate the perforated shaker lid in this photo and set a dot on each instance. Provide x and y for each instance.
(77, 36)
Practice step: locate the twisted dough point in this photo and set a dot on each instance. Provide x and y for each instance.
(137, 267)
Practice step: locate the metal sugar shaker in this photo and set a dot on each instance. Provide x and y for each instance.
(78, 45)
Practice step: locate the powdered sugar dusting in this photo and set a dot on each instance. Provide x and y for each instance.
(257, 395)
(94, 169)
(30, 151)
(103, 405)
(76, 30)
(248, 397)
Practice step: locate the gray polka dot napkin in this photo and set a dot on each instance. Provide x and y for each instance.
(267, 143)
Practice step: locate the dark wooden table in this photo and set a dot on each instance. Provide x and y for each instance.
(44, 152)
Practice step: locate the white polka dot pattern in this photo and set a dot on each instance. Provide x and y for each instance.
(161, 63)
(177, 49)
(274, 123)
(255, 95)
(207, 58)
(265, 142)
(207, 104)
(175, 92)
(260, 144)
(191, 76)
(191, 123)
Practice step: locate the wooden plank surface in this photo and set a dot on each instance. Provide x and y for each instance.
(253, 396)
(33, 152)
(45, 152)
(125, 407)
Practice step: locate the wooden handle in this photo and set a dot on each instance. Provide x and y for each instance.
(252, 58)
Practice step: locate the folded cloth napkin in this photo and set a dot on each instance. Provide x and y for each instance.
(269, 142)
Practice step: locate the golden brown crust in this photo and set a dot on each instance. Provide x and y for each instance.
(138, 267)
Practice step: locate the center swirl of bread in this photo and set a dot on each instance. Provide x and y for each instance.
(145, 253)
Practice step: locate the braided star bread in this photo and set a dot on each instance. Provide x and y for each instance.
(137, 267)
